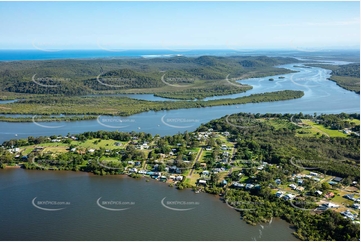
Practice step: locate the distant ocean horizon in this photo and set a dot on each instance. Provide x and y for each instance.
(39, 54)
(18, 55)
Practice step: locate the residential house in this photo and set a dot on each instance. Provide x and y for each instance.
(279, 194)
(318, 192)
(202, 182)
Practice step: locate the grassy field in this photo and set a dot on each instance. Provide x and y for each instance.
(107, 144)
(319, 128)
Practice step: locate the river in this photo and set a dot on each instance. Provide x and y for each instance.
(145, 219)
(321, 96)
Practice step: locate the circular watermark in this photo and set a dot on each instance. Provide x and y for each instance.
(176, 204)
(242, 122)
(316, 163)
(48, 164)
(104, 164)
(301, 79)
(102, 81)
(47, 79)
(243, 205)
(107, 121)
(176, 79)
(171, 121)
(114, 205)
(232, 83)
(299, 204)
(249, 164)
(111, 47)
(45, 46)
(37, 120)
(49, 205)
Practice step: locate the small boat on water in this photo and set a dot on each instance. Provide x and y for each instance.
(271, 79)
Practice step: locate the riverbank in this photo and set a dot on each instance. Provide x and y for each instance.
(126, 106)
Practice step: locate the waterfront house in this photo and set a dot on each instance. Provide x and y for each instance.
(202, 182)
(179, 178)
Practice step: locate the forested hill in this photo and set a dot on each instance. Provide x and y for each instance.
(74, 77)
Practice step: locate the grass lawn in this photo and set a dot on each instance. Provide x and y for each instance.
(193, 179)
(107, 144)
(277, 124)
(60, 149)
(204, 155)
(356, 121)
(322, 130)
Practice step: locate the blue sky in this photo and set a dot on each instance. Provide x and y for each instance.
(179, 25)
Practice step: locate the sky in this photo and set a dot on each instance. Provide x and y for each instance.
(179, 25)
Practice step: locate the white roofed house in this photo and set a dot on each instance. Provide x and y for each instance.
(202, 182)
(179, 178)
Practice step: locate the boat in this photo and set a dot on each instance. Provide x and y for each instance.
(271, 79)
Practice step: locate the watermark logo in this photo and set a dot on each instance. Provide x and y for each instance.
(114, 122)
(177, 79)
(105, 164)
(37, 120)
(232, 83)
(176, 205)
(249, 164)
(49, 164)
(301, 79)
(44, 46)
(242, 122)
(47, 80)
(302, 205)
(107, 46)
(50, 206)
(114, 206)
(244, 205)
(171, 121)
(114, 81)
(316, 164)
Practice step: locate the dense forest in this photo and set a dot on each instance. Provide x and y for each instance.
(137, 75)
(265, 142)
